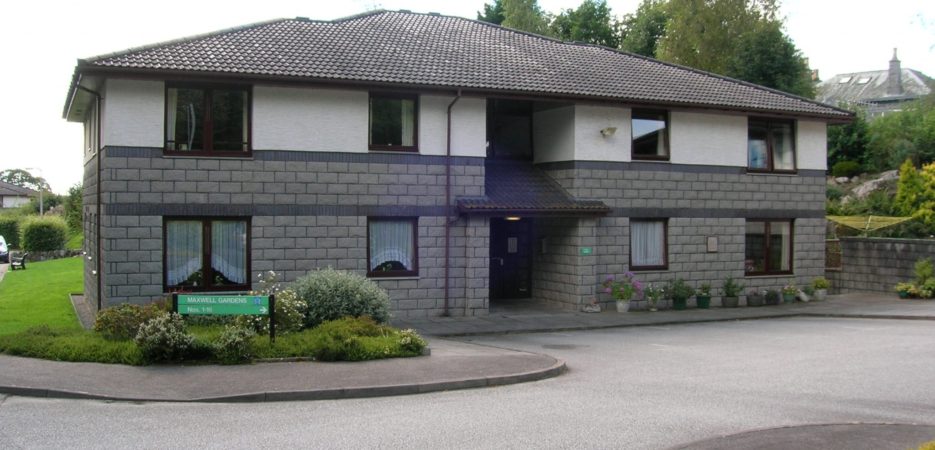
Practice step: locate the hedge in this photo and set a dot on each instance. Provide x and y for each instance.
(9, 229)
(41, 234)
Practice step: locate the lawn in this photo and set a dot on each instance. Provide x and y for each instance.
(39, 296)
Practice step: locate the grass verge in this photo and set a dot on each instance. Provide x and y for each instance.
(39, 296)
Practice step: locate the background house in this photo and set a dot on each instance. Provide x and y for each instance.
(879, 91)
(14, 196)
(459, 164)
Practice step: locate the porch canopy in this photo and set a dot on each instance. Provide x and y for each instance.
(520, 189)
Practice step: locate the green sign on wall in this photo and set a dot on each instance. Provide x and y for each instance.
(585, 251)
(223, 305)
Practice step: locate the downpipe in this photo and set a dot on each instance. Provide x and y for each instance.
(447, 311)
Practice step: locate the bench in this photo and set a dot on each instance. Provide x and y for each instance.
(18, 262)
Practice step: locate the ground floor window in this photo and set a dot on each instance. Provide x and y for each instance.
(392, 249)
(206, 254)
(648, 249)
(768, 247)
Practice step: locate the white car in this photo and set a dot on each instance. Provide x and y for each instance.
(4, 251)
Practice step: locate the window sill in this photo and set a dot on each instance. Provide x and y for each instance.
(393, 149)
(388, 278)
(770, 275)
(650, 270)
(224, 155)
(767, 172)
(656, 159)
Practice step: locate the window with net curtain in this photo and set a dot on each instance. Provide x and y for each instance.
(206, 254)
(190, 127)
(392, 247)
(650, 135)
(768, 247)
(392, 122)
(770, 146)
(648, 244)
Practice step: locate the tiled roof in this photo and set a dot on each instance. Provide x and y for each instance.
(858, 87)
(520, 188)
(12, 190)
(429, 50)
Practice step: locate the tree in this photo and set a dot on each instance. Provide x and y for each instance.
(592, 22)
(492, 13)
(704, 34)
(23, 178)
(524, 15)
(908, 189)
(848, 142)
(909, 133)
(766, 56)
(72, 208)
(643, 30)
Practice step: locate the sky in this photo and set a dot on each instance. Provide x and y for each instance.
(41, 41)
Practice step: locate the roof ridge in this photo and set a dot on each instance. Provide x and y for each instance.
(180, 40)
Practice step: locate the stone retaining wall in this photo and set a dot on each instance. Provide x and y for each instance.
(876, 264)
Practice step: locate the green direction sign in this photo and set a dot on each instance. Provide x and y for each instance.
(223, 305)
(586, 251)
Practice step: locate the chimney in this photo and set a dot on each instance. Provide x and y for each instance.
(894, 82)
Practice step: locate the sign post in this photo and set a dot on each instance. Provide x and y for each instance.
(227, 305)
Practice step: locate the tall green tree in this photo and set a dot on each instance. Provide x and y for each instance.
(525, 15)
(643, 29)
(73, 210)
(848, 142)
(591, 22)
(907, 134)
(23, 178)
(766, 56)
(493, 13)
(704, 34)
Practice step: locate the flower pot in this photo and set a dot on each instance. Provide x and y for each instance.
(623, 306)
(703, 301)
(679, 304)
(772, 300)
(730, 302)
(820, 294)
(755, 300)
(903, 294)
(788, 298)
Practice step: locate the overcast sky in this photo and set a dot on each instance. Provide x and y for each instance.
(41, 41)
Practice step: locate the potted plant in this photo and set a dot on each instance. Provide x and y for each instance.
(623, 290)
(789, 292)
(680, 292)
(732, 291)
(652, 295)
(772, 297)
(703, 296)
(821, 285)
(755, 298)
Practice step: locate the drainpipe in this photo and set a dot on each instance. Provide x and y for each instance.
(97, 214)
(446, 312)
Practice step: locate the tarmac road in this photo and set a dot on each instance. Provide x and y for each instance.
(645, 387)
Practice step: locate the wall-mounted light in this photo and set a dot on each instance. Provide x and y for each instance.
(513, 218)
(609, 131)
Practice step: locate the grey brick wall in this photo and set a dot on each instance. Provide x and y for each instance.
(89, 222)
(562, 276)
(308, 211)
(876, 264)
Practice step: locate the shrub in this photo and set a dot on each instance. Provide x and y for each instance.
(164, 338)
(9, 229)
(331, 294)
(358, 339)
(233, 346)
(927, 290)
(731, 288)
(411, 341)
(123, 321)
(834, 193)
(772, 296)
(821, 283)
(43, 233)
(845, 169)
(924, 271)
(289, 315)
(679, 290)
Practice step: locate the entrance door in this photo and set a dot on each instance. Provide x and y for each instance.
(510, 258)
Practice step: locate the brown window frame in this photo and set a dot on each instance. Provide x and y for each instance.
(207, 124)
(665, 246)
(770, 166)
(415, 249)
(767, 246)
(415, 122)
(206, 268)
(665, 134)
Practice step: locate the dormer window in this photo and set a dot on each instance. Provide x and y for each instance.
(207, 121)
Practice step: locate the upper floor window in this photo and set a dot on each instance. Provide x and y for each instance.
(650, 134)
(393, 120)
(770, 146)
(208, 121)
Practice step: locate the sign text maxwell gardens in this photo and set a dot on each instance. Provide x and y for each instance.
(227, 305)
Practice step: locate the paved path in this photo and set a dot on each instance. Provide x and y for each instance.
(857, 305)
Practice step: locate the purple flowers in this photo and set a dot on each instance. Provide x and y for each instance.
(625, 289)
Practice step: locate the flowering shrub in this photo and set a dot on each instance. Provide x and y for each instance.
(290, 311)
(123, 321)
(164, 338)
(233, 346)
(652, 294)
(332, 294)
(790, 289)
(410, 340)
(624, 289)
